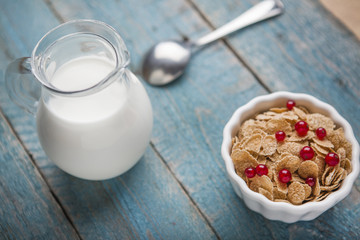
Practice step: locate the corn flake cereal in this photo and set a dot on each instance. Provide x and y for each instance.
(256, 143)
(296, 193)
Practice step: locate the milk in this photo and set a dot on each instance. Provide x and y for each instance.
(100, 135)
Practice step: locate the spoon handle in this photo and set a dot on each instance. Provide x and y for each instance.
(261, 11)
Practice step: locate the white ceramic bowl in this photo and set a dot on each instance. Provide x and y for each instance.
(278, 210)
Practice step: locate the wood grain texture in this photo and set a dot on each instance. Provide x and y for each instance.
(27, 208)
(146, 202)
(190, 115)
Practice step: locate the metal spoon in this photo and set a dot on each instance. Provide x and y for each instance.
(167, 60)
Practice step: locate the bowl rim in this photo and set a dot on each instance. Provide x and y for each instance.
(320, 206)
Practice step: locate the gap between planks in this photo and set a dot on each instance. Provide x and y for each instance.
(42, 177)
(54, 11)
(184, 189)
(227, 44)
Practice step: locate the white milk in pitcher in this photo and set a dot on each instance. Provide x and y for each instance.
(100, 135)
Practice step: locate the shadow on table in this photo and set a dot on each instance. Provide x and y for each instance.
(339, 217)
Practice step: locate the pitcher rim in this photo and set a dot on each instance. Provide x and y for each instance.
(119, 68)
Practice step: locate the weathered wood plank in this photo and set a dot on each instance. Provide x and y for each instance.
(146, 202)
(27, 208)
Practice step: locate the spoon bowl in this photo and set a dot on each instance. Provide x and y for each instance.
(166, 61)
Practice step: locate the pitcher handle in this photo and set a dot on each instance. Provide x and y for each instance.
(22, 87)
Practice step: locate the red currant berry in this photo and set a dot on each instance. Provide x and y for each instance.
(250, 172)
(310, 181)
(301, 128)
(290, 104)
(306, 153)
(280, 136)
(284, 176)
(261, 169)
(321, 133)
(332, 159)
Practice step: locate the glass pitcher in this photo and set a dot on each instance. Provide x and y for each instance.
(93, 116)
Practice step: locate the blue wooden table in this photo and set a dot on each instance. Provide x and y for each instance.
(179, 189)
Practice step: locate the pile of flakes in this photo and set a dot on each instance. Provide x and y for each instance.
(310, 180)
